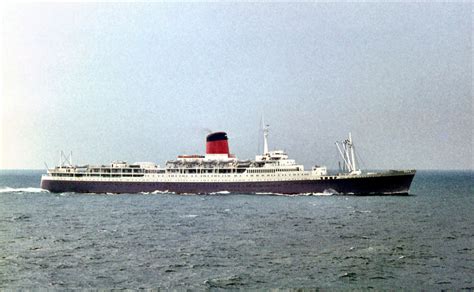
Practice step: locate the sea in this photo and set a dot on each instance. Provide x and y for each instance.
(421, 241)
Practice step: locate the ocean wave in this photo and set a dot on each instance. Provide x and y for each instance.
(189, 216)
(22, 190)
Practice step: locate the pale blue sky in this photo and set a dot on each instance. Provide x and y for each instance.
(143, 82)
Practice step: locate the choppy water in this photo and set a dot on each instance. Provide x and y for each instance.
(422, 241)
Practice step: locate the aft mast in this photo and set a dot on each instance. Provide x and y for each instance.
(351, 147)
(346, 149)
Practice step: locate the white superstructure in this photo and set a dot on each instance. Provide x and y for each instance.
(270, 166)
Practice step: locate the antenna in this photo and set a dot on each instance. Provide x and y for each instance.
(266, 129)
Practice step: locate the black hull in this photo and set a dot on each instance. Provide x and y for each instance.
(363, 185)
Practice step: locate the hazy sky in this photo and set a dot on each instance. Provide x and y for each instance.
(145, 82)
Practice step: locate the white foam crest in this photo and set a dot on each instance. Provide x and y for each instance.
(22, 190)
(189, 216)
(161, 192)
(322, 194)
(219, 193)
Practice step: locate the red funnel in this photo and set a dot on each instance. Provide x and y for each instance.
(216, 143)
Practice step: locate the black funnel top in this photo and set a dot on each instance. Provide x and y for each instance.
(217, 136)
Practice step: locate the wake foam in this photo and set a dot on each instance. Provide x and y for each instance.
(22, 190)
(162, 192)
(325, 193)
(220, 193)
(40, 190)
(318, 194)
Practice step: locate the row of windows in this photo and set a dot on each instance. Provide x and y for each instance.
(72, 174)
(271, 170)
(172, 175)
(115, 170)
(208, 170)
(107, 171)
(230, 170)
(177, 175)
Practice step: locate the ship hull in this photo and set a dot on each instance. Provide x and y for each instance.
(360, 185)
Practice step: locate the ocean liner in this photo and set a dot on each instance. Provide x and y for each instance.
(219, 171)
